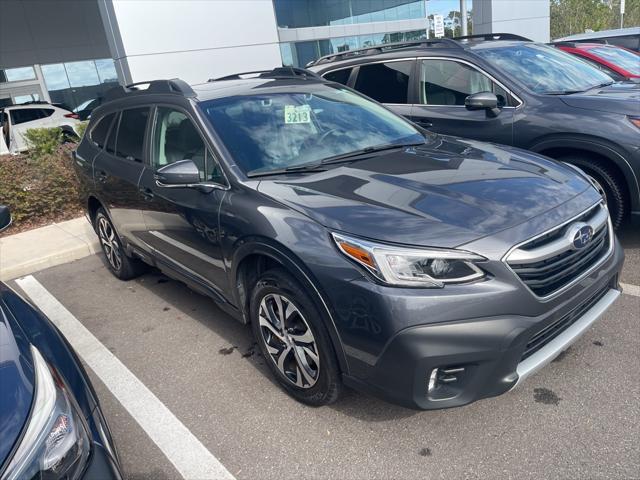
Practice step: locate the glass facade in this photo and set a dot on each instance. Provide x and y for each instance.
(17, 74)
(316, 13)
(298, 54)
(74, 83)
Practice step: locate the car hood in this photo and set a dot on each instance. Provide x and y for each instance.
(17, 379)
(443, 194)
(622, 98)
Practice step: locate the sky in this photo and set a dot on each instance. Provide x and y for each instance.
(443, 7)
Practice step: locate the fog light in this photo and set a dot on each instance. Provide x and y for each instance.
(440, 377)
(432, 379)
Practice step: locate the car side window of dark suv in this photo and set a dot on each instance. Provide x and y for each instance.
(340, 76)
(448, 83)
(131, 131)
(176, 138)
(385, 82)
(98, 134)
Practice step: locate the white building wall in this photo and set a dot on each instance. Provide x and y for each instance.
(191, 39)
(529, 18)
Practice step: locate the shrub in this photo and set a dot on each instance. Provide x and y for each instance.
(39, 189)
(43, 141)
(81, 128)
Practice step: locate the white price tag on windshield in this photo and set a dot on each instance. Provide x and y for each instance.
(297, 114)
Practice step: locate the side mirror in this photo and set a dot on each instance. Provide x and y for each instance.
(183, 173)
(5, 217)
(481, 101)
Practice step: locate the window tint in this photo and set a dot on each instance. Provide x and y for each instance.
(47, 112)
(130, 140)
(22, 115)
(99, 133)
(340, 76)
(445, 82)
(385, 82)
(176, 138)
(113, 136)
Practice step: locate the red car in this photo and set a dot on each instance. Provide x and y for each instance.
(618, 62)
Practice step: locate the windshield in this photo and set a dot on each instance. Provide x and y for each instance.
(277, 130)
(545, 69)
(620, 57)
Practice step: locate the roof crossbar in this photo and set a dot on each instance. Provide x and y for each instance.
(494, 36)
(173, 86)
(385, 47)
(278, 72)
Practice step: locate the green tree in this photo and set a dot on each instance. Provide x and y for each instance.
(569, 17)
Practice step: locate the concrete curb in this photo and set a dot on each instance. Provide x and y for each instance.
(40, 248)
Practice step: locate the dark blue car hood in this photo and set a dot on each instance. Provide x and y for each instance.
(16, 379)
(448, 192)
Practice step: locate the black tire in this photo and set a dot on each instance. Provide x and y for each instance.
(119, 263)
(305, 316)
(610, 183)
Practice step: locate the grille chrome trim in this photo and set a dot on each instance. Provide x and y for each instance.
(558, 246)
(581, 276)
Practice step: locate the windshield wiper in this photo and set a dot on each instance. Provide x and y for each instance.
(605, 84)
(318, 166)
(366, 151)
(562, 92)
(304, 167)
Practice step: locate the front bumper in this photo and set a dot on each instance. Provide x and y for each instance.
(484, 355)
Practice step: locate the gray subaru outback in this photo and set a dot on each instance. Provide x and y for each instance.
(506, 89)
(430, 270)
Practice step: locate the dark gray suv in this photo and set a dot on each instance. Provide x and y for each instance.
(506, 89)
(427, 269)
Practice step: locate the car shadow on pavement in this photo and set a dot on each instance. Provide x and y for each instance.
(239, 338)
(629, 236)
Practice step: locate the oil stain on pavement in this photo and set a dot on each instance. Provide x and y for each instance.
(546, 396)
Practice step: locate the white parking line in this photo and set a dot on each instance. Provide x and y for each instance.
(187, 454)
(630, 289)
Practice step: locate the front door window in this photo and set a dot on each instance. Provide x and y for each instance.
(447, 82)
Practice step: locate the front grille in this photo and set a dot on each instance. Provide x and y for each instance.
(546, 276)
(550, 332)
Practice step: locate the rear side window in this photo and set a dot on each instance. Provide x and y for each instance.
(113, 136)
(23, 115)
(47, 112)
(340, 76)
(130, 138)
(99, 133)
(385, 82)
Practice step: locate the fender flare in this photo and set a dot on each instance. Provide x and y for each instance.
(599, 147)
(279, 253)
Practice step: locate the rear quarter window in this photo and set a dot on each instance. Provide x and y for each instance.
(98, 134)
(24, 115)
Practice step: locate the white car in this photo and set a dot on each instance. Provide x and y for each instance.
(15, 120)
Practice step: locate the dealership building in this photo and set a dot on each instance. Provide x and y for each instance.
(71, 51)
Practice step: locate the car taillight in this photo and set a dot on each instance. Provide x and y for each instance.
(72, 115)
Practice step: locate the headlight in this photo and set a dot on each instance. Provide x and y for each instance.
(409, 266)
(55, 444)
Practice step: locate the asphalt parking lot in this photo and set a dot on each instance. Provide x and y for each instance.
(578, 418)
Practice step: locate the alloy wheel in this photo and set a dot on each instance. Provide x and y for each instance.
(289, 340)
(110, 244)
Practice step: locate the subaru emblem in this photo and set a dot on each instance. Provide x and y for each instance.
(582, 236)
